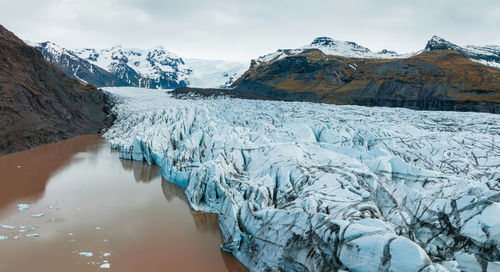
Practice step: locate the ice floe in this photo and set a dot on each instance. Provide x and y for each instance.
(303, 186)
(86, 254)
(7, 227)
(37, 215)
(23, 206)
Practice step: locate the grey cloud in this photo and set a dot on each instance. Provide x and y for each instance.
(242, 30)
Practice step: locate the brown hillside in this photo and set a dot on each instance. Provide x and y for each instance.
(435, 80)
(38, 103)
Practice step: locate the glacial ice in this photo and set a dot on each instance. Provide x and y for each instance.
(86, 254)
(303, 186)
(37, 215)
(22, 207)
(8, 227)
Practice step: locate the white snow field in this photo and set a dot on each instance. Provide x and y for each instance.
(315, 187)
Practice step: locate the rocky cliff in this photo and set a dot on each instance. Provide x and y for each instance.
(432, 80)
(38, 103)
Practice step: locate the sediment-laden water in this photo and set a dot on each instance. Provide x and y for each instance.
(90, 211)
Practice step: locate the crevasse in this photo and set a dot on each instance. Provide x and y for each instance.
(314, 187)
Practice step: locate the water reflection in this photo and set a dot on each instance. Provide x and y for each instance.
(24, 175)
(205, 222)
(142, 171)
(87, 186)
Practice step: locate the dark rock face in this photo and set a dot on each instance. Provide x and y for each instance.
(38, 103)
(434, 80)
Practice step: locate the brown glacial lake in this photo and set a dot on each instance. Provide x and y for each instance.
(89, 209)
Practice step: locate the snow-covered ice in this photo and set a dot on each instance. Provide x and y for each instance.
(33, 235)
(105, 265)
(86, 254)
(322, 187)
(2, 237)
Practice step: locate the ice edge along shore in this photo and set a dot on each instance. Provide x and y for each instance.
(311, 186)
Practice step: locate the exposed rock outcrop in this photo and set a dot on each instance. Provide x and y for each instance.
(38, 103)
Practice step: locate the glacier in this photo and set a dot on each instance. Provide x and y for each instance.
(314, 187)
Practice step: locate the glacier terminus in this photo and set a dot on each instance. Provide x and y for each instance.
(307, 186)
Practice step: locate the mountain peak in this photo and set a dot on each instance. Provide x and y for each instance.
(323, 41)
(438, 43)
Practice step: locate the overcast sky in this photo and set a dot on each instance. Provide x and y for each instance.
(242, 30)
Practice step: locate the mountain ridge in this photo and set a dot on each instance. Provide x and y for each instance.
(148, 68)
(431, 80)
(488, 55)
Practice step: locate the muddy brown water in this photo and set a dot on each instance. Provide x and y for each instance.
(122, 212)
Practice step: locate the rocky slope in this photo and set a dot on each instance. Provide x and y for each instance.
(38, 103)
(432, 80)
(317, 187)
(154, 68)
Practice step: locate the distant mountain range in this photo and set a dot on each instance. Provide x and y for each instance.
(153, 68)
(159, 68)
(488, 55)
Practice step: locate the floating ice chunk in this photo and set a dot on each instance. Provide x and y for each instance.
(105, 240)
(106, 254)
(3, 237)
(23, 207)
(50, 207)
(15, 237)
(78, 210)
(33, 235)
(37, 215)
(70, 233)
(86, 254)
(98, 228)
(105, 265)
(7, 227)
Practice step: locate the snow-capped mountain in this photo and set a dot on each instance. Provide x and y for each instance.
(488, 55)
(333, 47)
(153, 68)
(74, 66)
